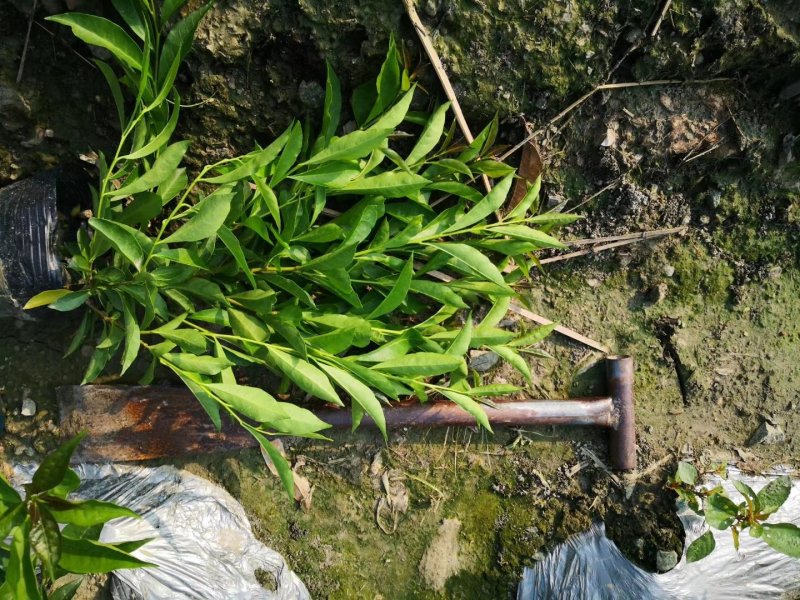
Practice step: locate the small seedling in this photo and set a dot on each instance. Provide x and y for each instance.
(35, 550)
(721, 512)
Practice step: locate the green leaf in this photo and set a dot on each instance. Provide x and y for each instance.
(87, 556)
(460, 344)
(304, 374)
(783, 537)
(247, 326)
(720, 511)
(190, 340)
(457, 189)
(398, 293)
(492, 168)
(281, 465)
(391, 184)
(230, 241)
(205, 365)
(494, 389)
(554, 218)
(89, 512)
(469, 405)
(473, 261)
(145, 207)
(131, 243)
(157, 142)
(179, 42)
(98, 31)
(360, 393)
(430, 135)
(45, 298)
(452, 165)
(132, 338)
(529, 202)
(269, 199)
(66, 591)
(686, 473)
(116, 91)
(252, 402)
(395, 115)
(351, 146)
(750, 496)
(514, 359)
(69, 484)
(206, 400)
(130, 14)
(701, 547)
(53, 467)
(528, 234)
(438, 291)
(772, 496)
(163, 168)
(389, 81)
(534, 336)
(298, 421)
(169, 8)
(491, 203)
(421, 364)
(19, 574)
(333, 104)
(208, 216)
(8, 495)
(289, 155)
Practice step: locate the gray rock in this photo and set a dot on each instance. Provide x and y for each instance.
(669, 270)
(767, 434)
(666, 560)
(483, 361)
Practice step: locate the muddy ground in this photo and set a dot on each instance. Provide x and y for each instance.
(710, 315)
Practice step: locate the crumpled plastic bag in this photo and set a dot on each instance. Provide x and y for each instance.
(203, 545)
(589, 566)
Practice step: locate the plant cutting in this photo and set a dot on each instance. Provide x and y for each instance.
(721, 512)
(318, 256)
(45, 535)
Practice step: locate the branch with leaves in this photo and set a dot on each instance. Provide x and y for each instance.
(310, 257)
(35, 550)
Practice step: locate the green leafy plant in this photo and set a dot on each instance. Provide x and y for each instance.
(721, 512)
(35, 550)
(344, 263)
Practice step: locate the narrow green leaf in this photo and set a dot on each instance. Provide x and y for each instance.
(132, 337)
(45, 298)
(247, 326)
(529, 202)
(554, 218)
(281, 465)
(534, 336)
(54, 466)
(230, 241)
(163, 168)
(469, 405)
(269, 199)
(169, 8)
(391, 184)
(528, 234)
(179, 41)
(430, 135)
(473, 261)
(289, 155)
(490, 204)
(90, 512)
(130, 14)
(157, 142)
(87, 556)
(205, 365)
(190, 340)
(395, 115)
(116, 91)
(208, 215)
(360, 393)
(720, 511)
(252, 402)
(438, 291)
(333, 104)
(701, 547)
(354, 145)
(398, 293)
(421, 364)
(131, 243)
(19, 574)
(460, 344)
(304, 374)
(66, 591)
(514, 359)
(98, 31)
(145, 207)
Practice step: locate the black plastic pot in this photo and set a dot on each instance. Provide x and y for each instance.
(36, 216)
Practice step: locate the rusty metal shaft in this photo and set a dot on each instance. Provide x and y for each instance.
(598, 412)
(622, 443)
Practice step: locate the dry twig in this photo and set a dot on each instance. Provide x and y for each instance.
(27, 42)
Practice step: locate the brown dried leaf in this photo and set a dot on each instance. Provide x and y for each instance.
(530, 167)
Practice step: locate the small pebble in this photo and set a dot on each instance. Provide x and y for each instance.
(666, 560)
(669, 270)
(28, 407)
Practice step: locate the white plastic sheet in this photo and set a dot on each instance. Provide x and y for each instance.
(590, 567)
(203, 545)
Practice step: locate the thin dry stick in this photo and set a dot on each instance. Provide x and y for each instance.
(661, 16)
(436, 62)
(603, 87)
(595, 249)
(27, 41)
(626, 236)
